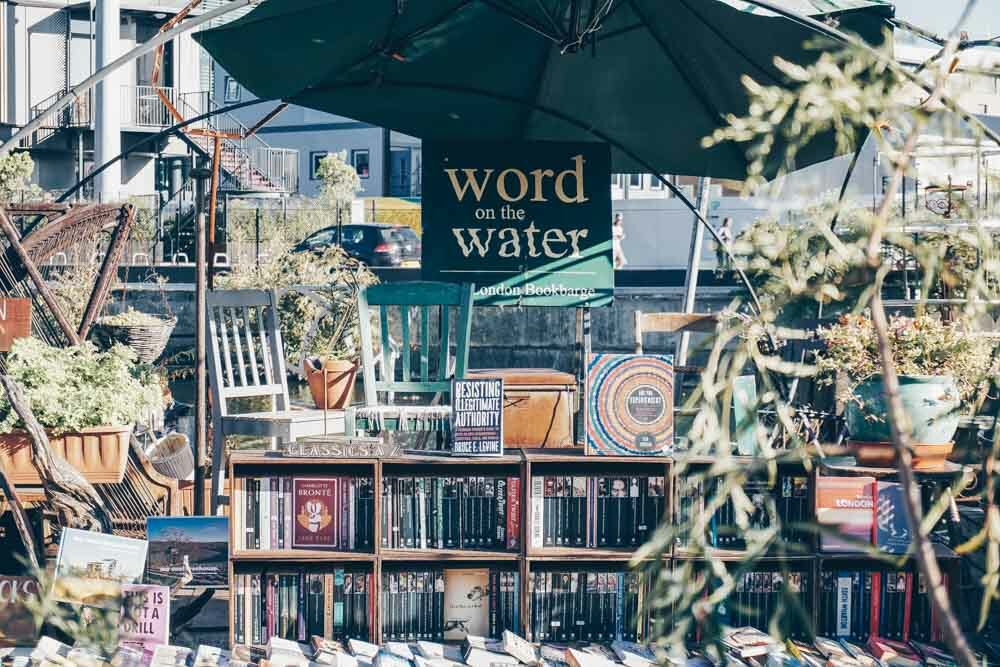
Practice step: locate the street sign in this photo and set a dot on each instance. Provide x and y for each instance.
(529, 223)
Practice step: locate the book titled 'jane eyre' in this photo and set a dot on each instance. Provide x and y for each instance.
(314, 511)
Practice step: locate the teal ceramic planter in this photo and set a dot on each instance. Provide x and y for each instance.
(931, 402)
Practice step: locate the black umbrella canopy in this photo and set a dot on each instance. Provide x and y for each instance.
(649, 77)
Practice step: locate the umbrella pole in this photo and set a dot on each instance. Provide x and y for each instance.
(694, 264)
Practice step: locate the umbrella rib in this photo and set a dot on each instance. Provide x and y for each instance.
(707, 104)
(511, 13)
(730, 44)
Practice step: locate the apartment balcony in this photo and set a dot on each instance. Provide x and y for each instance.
(142, 110)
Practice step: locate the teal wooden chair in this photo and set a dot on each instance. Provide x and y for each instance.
(424, 309)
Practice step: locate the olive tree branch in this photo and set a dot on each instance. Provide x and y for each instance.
(900, 428)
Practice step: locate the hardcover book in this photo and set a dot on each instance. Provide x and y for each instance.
(844, 505)
(91, 567)
(890, 531)
(201, 543)
(313, 508)
(466, 603)
(630, 405)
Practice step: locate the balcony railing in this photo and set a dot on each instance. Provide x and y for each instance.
(142, 107)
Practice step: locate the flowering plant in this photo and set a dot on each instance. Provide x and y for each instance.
(922, 345)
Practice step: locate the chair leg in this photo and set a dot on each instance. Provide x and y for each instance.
(218, 465)
(350, 423)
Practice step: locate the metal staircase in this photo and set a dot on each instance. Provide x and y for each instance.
(248, 164)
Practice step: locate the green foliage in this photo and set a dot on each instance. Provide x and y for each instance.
(340, 179)
(78, 387)
(15, 177)
(325, 325)
(922, 345)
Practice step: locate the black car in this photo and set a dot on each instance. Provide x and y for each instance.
(374, 244)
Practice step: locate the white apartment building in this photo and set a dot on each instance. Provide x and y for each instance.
(46, 46)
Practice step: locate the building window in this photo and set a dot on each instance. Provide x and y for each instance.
(233, 90)
(359, 159)
(315, 157)
(635, 180)
(655, 183)
(616, 181)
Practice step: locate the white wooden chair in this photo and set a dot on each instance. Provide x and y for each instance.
(246, 363)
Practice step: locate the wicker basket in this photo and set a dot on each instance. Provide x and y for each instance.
(173, 456)
(148, 340)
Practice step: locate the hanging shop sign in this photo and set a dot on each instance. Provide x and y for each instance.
(477, 417)
(529, 223)
(630, 405)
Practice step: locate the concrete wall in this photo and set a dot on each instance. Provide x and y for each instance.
(501, 337)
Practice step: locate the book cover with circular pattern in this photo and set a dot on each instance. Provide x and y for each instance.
(630, 405)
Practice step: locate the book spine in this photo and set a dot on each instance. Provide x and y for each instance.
(876, 604)
(274, 513)
(500, 509)
(422, 507)
(537, 511)
(439, 523)
(494, 594)
(907, 606)
(513, 513)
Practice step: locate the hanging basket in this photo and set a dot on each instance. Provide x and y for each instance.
(148, 340)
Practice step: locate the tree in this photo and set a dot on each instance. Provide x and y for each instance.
(849, 86)
(340, 180)
(15, 177)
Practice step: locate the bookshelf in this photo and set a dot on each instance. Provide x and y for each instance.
(529, 557)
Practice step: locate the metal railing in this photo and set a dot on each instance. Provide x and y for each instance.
(141, 106)
(250, 162)
(77, 114)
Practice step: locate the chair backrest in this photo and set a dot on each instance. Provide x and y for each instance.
(672, 323)
(246, 356)
(420, 299)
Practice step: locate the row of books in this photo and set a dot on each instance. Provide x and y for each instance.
(295, 605)
(584, 511)
(451, 513)
(272, 513)
(586, 606)
(894, 605)
(789, 493)
(448, 604)
(758, 595)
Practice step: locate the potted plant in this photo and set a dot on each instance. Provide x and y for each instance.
(146, 334)
(88, 402)
(319, 326)
(942, 367)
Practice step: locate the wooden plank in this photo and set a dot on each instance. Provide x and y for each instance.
(383, 317)
(444, 338)
(420, 293)
(416, 387)
(424, 344)
(15, 321)
(251, 348)
(224, 337)
(367, 351)
(265, 348)
(404, 314)
(464, 331)
(679, 322)
(235, 319)
(277, 350)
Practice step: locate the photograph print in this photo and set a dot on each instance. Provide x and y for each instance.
(196, 543)
(91, 567)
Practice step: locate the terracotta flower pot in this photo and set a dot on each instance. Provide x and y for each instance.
(340, 375)
(99, 453)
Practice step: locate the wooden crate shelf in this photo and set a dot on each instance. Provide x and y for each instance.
(524, 464)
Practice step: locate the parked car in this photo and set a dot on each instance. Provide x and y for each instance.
(374, 244)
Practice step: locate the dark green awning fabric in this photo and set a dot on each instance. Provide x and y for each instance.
(660, 75)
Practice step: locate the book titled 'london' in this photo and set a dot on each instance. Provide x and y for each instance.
(844, 505)
(314, 513)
